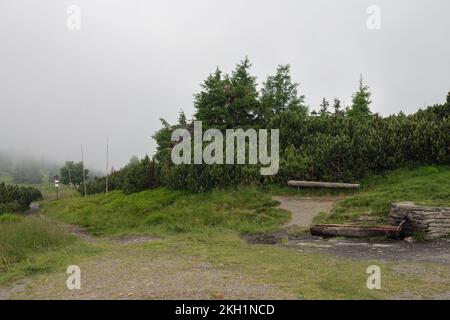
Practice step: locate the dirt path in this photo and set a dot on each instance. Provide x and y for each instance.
(362, 249)
(304, 210)
(134, 271)
(128, 269)
(33, 208)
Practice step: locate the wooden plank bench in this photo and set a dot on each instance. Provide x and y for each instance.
(316, 184)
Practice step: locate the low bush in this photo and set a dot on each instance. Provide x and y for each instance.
(15, 198)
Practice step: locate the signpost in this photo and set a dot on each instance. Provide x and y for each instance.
(56, 180)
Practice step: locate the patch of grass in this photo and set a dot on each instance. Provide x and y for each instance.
(30, 234)
(303, 274)
(166, 212)
(427, 185)
(9, 218)
(30, 244)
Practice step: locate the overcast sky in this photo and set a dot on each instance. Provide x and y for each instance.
(135, 61)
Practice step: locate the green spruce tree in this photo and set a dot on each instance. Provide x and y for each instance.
(338, 111)
(323, 111)
(360, 101)
(280, 94)
(229, 101)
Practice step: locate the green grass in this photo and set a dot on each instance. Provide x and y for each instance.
(427, 185)
(303, 274)
(30, 245)
(165, 212)
(9, 218)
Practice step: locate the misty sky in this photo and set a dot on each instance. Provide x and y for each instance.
(135, 61)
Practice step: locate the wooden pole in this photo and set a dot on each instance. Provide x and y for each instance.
(70, 178)
(82, 169)
(107, 164)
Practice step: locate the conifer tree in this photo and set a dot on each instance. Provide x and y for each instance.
(360, 101)
(280, 94)
(229, 101)
(323, 111)
(338, 111)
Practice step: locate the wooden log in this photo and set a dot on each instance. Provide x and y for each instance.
(355, 231)
(317, 184)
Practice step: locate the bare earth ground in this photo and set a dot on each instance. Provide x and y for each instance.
(428, 252)
(133, 272)
(129, 269)
(304, 210)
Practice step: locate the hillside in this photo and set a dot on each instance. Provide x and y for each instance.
(427, 185)
(162, 212)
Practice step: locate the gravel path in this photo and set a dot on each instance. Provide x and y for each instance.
(133, 271)
(304, 210)
(361, 249)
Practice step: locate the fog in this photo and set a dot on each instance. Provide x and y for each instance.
(135, 61)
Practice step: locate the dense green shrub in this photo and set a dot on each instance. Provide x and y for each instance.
(15, 198)
(142, 175)
(136, 176)
(344, 145)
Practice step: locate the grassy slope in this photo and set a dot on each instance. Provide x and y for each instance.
(166, 212)
(426, 185)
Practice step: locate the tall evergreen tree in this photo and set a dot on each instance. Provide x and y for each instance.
(243, 104)
(360, 101)
(182, 120)
(280, 94)
(229, 101)
(338, 111)
(323, 111)
(210, 102)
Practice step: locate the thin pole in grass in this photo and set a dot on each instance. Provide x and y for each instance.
(82, 169)
(107, 163)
